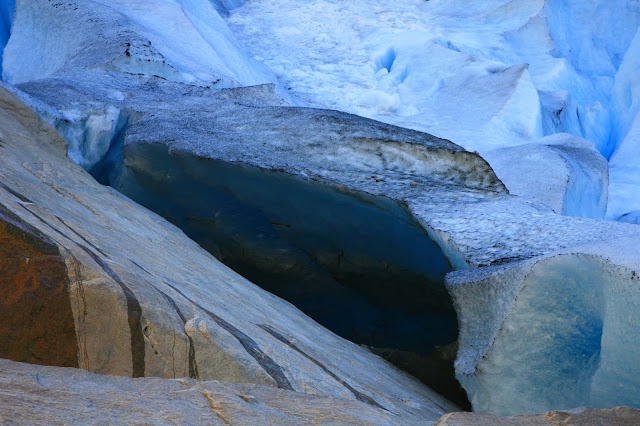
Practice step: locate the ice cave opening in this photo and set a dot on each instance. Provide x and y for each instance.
(7, 9)
(358, 264)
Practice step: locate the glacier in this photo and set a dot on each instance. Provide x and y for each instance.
(496, 74)
(197, 47)
(192, 119)
(578, 306)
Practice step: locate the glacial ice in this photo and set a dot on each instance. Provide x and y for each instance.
(556, 66)
(7, 9)
(180, 40)
(93, 138)
(580, 307)
(625, 172)
(561, 171)
(225, 6)
(197, 43)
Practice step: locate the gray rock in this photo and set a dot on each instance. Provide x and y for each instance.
(34, 395)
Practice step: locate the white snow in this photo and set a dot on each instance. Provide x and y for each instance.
(181, 40)
(485, 74)
(193, 37)
(561, 171)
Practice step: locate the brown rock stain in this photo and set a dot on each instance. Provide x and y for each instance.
(36, 320)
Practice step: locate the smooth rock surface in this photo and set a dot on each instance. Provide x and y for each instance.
(33, 395)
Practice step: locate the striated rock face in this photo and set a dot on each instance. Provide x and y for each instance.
(147, 301)
(622, 416)
(48, 395)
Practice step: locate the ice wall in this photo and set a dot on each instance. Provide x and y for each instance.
(552, 333)
(95, 139)
(625, 171)
(7, 9)
(561, 171)
(193, 37)
(594, 38)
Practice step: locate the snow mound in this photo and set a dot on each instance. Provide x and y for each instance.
(179, 40)
(561, 171)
